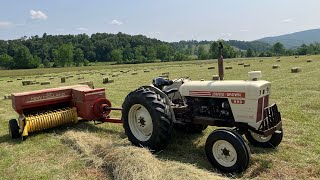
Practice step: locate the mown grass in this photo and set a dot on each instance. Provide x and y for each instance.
(44, 156)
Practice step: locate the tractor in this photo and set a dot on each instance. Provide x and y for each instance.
(150, 113)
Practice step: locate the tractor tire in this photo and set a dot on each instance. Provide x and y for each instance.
(14, 129)
(271, 141)
(147, 119)
(227, 151)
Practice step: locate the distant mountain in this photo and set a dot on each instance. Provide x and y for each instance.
(296, 39)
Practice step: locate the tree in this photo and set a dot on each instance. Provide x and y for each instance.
(65, 55)
(202, 54)
(23, 59)
(116, 55)
(78, 56)
(213, 51)
(6, 61)
(249, 53)
(278, 49)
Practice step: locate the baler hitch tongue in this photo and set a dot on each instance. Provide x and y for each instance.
(49, 120)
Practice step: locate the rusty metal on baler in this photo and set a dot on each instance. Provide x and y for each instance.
(48, 108)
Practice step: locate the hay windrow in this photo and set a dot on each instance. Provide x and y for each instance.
(124, 161)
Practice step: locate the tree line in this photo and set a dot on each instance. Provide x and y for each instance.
(79, 50)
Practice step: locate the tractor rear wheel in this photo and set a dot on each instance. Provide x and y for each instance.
(14, 129)
(147, 119)
(227, 151)
(270, 141)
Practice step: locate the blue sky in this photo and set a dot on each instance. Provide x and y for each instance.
(168, 20)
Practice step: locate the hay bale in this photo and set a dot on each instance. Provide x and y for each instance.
(165, 73)
(114, 75)
(246, 65)
(19, 79)
(51, 78)
(9, 81)
(261, 60)
(215, 77)
(241, 64)
(276, 66)
(211, 67)
(278, 60)
(135, 73)
(89, 83)
(296, 57)
(296, 69)
(228, 67)
(102, 73)
(26, 82)
(80, 77)
(45, 83)
(309, 60)
(107, 80)
(78, 74)
(146, 71)
(63, 79)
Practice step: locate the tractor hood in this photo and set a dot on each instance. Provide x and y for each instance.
(226, 89)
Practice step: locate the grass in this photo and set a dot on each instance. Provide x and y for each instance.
(46, 155)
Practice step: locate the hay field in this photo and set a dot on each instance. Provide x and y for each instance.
(88, 151)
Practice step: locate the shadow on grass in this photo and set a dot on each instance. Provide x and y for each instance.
(86, 126)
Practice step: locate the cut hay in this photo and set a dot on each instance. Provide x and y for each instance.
(276, 66)
(246, 65)
(296, 69)
(45, 83)
(215, 77)
(51, 78)
(228, 67)
(124, 161)
(211, 67)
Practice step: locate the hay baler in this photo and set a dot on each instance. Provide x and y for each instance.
(43, 109)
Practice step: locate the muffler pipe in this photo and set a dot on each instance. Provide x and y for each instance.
(220, 61)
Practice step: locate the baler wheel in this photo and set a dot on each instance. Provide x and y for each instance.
(146, 119)
(227, 151)
(14, 129)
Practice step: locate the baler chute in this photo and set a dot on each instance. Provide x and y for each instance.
(48, 108)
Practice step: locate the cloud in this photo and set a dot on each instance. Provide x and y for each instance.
(38, 15)
(289, 20)
(226, 34)
(244, 30)
(82, 29)
(4, 24)
(116, 22)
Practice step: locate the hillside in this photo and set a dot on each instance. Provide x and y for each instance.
(296, 39)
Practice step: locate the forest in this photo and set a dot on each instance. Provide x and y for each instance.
(81, 50)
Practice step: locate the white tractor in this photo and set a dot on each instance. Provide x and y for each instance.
(150, 112)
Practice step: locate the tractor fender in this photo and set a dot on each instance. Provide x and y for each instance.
(163, 95)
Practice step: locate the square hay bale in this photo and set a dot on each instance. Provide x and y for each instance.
(19, 79)
(296, 69)
(26, 82)
(7, 96)
(309, 60)
(51, 78)
(246, 65)
(80, 77)
(215, 77)
(276, 66)
(9, 81)
(45, 83)
(102, 73)
(63, 79)
(211, 67)
(296, 57)
(114, 75)
(78, 74)
(146, 71)
(228, 67)
(135, 73)
(241, 64)
(89, 83)
(107, 80)
(261, 60)
(278, 60)
(165, 73)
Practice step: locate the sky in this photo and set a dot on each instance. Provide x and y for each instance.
(167, 20)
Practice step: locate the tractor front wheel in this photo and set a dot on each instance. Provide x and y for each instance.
(227, 151)
(147, 119)
(270, 141)
(14, 129)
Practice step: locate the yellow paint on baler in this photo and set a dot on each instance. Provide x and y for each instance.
(49, 120)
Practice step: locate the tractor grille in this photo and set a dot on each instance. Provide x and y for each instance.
(271, 121)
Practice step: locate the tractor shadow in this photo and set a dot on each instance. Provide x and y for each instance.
(190, 148)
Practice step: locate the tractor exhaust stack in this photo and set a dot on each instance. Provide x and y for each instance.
(220, 61)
